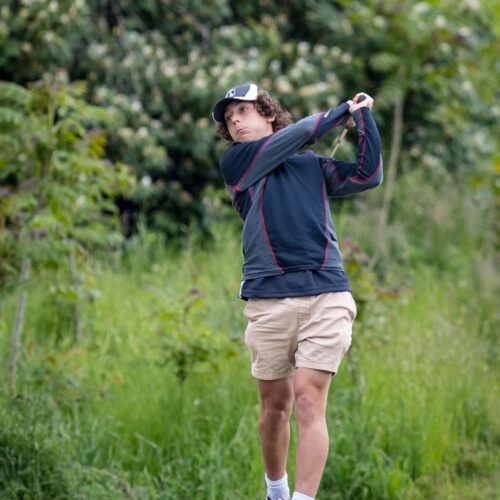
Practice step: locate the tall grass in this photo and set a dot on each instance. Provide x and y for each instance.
(158, 402)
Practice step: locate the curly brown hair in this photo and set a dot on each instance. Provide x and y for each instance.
(267, 106)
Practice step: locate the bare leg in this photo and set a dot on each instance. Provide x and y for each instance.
(276, 401)
(311, 393)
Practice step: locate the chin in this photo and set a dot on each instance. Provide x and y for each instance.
(246, 138)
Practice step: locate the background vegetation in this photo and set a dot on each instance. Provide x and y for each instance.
(124, 372)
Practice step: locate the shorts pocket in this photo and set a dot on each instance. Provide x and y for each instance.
(351, 306)
(256, 309)
(250, 310)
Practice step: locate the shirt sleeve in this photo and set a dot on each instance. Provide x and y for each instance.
(243, 164)
(344, 178)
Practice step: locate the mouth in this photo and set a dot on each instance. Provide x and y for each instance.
(241, 131)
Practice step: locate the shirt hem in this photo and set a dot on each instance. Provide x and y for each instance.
(267, 274)
(297, 293)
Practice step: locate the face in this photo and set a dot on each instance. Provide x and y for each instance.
(244, 122)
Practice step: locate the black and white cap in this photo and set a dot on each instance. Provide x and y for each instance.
(247, 92)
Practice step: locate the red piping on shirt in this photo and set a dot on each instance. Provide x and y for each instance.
(252, 163)
(263, 222)
(325, 205)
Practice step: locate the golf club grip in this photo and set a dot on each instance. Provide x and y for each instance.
(344, 132)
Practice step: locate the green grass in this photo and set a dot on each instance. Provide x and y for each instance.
(157, 401)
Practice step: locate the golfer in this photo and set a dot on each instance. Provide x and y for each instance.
(299, 306)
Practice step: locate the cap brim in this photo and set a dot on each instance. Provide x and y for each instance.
(220, 107)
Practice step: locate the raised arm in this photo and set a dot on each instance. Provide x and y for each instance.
(243, 164)
(344, 178)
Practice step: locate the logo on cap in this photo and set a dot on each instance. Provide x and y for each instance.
(247, 92)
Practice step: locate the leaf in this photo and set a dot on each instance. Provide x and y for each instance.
(13, 94)
(391, 89)
(11, 118)
(384, 62)
(96, 145)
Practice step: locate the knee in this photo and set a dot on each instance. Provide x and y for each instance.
(307, 410)
(274, 417)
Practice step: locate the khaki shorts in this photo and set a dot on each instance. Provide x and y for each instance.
(298, 332)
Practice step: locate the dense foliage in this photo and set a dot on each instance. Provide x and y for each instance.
(161, 65)
(57, 194)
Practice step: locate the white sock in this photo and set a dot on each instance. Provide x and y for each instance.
(300, 496)
(278, 489)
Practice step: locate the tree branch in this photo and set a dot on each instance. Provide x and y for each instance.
(397, 136)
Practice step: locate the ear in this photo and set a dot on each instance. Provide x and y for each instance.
(271, 119)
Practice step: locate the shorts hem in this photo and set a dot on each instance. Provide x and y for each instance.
(315, 365)
(270, 375)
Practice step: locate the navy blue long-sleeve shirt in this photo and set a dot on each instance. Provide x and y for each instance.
(282, 196)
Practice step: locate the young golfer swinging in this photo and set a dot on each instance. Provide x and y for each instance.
(299, 307)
